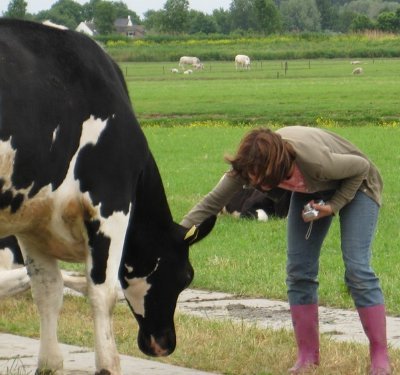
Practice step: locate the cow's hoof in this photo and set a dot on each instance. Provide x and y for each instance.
(103, 372)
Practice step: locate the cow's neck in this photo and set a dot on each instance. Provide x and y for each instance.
(151, 208)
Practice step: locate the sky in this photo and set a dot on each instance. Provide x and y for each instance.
(138, 6)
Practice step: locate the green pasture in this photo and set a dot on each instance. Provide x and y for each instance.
(311, 92)
(247, 257)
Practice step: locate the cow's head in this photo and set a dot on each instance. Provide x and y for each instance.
(153, 282)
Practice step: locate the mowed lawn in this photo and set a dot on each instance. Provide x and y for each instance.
(308, 91)
(247, 257)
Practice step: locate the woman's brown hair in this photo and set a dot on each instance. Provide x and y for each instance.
(263, 155)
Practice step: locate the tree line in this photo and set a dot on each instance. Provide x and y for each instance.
(258, 17)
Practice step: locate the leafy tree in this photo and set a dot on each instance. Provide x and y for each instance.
(243, 15)
(122, 11)
(64, 12)
(67, 11)
(328, 13)
(222, 19)
(175, 17)
(301, 15)
(371, 8)
(387, 21)
(153, 20)
(88, 9)
(267, 16)
(362, 22)
(104, 17)
(16, 9)
(345, 19)
(201, 23)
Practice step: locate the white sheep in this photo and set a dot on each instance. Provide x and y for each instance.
(189, 71)
(358, 71)
(188, 60)
(174, 70)
(242, 61)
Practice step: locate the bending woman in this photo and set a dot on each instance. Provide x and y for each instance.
(315, 165)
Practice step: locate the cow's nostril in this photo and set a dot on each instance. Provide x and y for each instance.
(157, 346)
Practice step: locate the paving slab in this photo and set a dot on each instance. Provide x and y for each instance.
(338, 324)
(18, 355)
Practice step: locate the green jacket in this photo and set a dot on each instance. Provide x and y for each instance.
(327, 162)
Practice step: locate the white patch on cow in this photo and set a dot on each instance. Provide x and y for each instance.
(261, 215)
(55, 133)
(7, 157)
(115, 228)
(91, 131)
(137, 290)
(67, 239)
(13, 281)
(6, 259)
(129, 268)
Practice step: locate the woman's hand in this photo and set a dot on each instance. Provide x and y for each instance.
(324, 210)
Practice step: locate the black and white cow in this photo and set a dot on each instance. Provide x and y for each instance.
(250, 203)
(78, 183)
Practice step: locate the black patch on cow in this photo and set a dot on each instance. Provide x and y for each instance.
(16, 202)
(6, 198)
(51, 82)
(12, 243)
(99, 245)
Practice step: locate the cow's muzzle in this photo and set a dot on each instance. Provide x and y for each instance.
(159, 345)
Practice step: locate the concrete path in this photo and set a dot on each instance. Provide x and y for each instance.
(340, 325)
(19, 356)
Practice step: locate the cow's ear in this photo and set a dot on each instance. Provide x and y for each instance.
(198, 232)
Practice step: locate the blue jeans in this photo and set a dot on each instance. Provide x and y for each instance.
(357, 228)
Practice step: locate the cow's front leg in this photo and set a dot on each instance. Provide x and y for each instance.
(105, 243)
(103, 298)
(47, 292)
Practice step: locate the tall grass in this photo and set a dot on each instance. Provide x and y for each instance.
(294, 46)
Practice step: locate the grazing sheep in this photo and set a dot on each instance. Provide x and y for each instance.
(358, 71)
(199, 66)
(188, 60)
(242, 61)
(174, 70)
(189, 71)
(355, 62)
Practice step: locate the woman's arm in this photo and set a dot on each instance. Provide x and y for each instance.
(214, 201)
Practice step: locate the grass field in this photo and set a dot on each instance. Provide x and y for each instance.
(218, 105)
(311, 92)
(248, 257)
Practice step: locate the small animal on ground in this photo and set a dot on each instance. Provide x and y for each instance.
(358, 70)
(250, 203)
